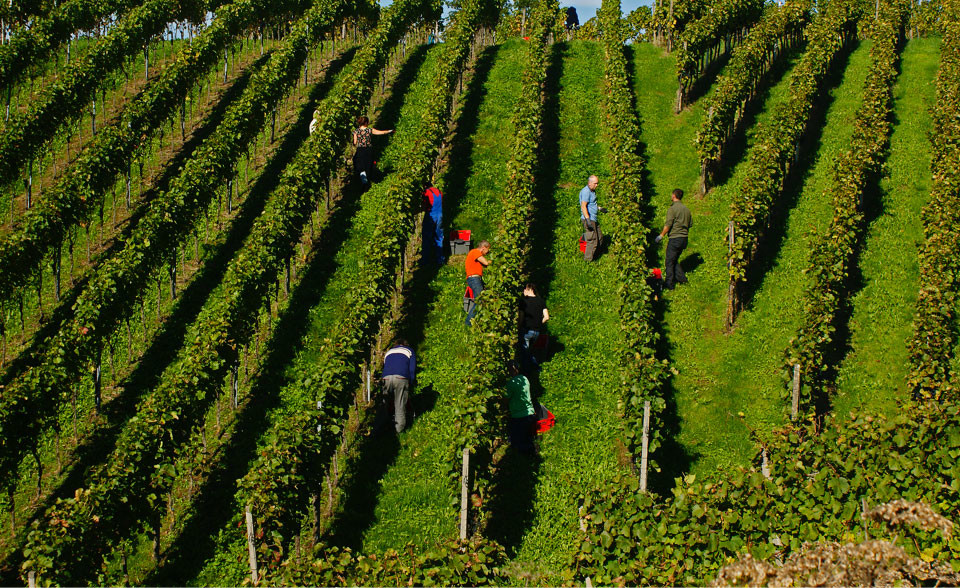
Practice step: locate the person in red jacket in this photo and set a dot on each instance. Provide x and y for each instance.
(433, 226)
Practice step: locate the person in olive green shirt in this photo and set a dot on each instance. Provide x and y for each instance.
(677, 227)
(522, 419)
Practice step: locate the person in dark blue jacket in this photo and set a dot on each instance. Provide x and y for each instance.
(399, 375)
(433, 226)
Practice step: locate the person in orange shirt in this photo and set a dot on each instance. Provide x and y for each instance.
(474, 267)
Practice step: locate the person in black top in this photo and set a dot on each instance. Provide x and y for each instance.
(363, 157)
(534, 315)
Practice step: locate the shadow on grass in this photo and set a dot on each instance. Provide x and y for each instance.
(379, 452)
(513, 486)
(674, 459)
(771, 242)
(705, 81)
(873, 207)
(155, 359)
(64, 310)
(197, 543)
(736, 146)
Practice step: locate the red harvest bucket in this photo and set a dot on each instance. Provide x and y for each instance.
(546, 420)
(462, 235)
(583, 245)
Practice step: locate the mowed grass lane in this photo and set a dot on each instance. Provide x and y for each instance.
(579, 382)
(330, 278)
(873, 373)
(694, 315)
(402, 493)
(727, 385)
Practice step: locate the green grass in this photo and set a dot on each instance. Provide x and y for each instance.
(328, 280)
(579, 381)
(408, 496)
(873, 373)
(720, 376)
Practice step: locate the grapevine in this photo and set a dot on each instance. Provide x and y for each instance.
(934, 327)
(777, 143)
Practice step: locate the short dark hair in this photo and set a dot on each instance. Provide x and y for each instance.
(362, 121)
(401, 342)
(678, 193)
(530, 286)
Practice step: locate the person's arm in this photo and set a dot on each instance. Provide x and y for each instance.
(354, 139)
(666, 226)
(379, 132)
(583, 209)
(546, 315)
(483, 261)
(413, 368)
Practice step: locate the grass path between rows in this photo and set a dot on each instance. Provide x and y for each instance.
(873, 373)
(329, 278)
(401, 492)
(578, 383)
(723, 376)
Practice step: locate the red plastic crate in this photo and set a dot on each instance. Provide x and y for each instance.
(546, 421)
(462, 235)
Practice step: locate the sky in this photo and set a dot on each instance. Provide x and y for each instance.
(586, 9)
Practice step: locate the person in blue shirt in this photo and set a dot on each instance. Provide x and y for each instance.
(588, 216)
(399, 375)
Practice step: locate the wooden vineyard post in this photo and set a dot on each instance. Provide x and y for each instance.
(765, 464)
(730, 244)
(369, 387)
(97, 381)
(795, 405)
(235, 385)
(863, 516)
(644, 448)
(32, 579)
(251, 548)
(589, 582)
(464, 491)
(732, 289)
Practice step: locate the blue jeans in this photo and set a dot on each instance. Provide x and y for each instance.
(433, 239)
(476, 284)
(529, 338)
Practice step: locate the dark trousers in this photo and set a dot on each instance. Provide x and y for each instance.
(674, 272)
(521, 434)
(593, 237)
(363, 160)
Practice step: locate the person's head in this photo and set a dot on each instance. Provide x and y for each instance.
(401, 342)
(677, 195)
(593, 182)
(530, 290)
(484, 247)
(512, 368)
(362, 121)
